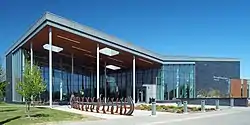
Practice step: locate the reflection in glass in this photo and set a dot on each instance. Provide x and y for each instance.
(179, 81)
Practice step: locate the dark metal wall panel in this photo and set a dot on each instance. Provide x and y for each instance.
(206, 70)
(9, 77)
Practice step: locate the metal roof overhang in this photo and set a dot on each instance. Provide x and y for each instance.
(82, 42)
(64, 24)
(69, 26)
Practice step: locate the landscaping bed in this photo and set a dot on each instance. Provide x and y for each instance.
(172, 109)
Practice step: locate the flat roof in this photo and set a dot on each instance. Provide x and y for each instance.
(85, 31)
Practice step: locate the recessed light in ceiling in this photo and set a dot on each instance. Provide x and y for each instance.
(65, 38)
(81, 49)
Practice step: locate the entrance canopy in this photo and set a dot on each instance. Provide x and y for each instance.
(76, 47)
(84, 48)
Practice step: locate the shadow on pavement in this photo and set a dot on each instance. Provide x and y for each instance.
(8, 110)
(39, 115)
(10, 119)
(41, 107)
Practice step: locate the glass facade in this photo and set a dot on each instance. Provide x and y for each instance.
(118, 83)
(179, 81)
(172, 80)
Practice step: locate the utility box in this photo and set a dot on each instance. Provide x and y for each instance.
(150, 91)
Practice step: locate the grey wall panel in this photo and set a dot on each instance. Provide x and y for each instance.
(9, 77)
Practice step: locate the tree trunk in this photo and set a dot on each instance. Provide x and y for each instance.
(28, 109)
(27, 105)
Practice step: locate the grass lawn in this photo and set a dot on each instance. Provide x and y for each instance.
(15, 115)
(2, 104)
(14, 105)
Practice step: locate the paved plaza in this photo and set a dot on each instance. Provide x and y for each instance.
(229, 116)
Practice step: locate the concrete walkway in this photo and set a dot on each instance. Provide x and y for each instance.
(107, 116)
(163, 119)
(137, 113)
(189, 105)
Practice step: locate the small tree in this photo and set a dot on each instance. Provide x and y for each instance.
(31, 85)
(2, 83)
(2, 90)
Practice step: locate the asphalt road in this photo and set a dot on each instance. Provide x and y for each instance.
(235, 116)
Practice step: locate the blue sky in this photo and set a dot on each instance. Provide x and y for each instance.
(219, 28)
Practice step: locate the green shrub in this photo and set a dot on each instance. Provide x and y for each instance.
(194, 109)
(179, 111)
(162, 106)
(210, 109)
(181, 107)
(171, 107)
(199, 108)
(159, 108)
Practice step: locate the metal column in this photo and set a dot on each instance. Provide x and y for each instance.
(72, 70)
(61, 81)
(134, 79)
(97, 72)
(177, 83)
(105, 83)
(50, 68)
(31, 55)
(31, 63)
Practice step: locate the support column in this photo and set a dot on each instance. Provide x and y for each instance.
(50, 68)
(61, 81)
(72, 71)
(105, 83)
(31, 55)
(97, 72)
(134, 79)
(31, 63)
(177, 83)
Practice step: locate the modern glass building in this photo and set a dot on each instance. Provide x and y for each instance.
(73, 58)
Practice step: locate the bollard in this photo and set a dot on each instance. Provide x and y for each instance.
(185, 111)
(217, 104)
(231, 102)
(203, 106)
(153, 107)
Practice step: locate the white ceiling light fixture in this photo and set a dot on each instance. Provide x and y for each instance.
(108, 52)
(113, 67)
(54, 48)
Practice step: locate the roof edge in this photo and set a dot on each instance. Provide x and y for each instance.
(52, 17)
(190, 58)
